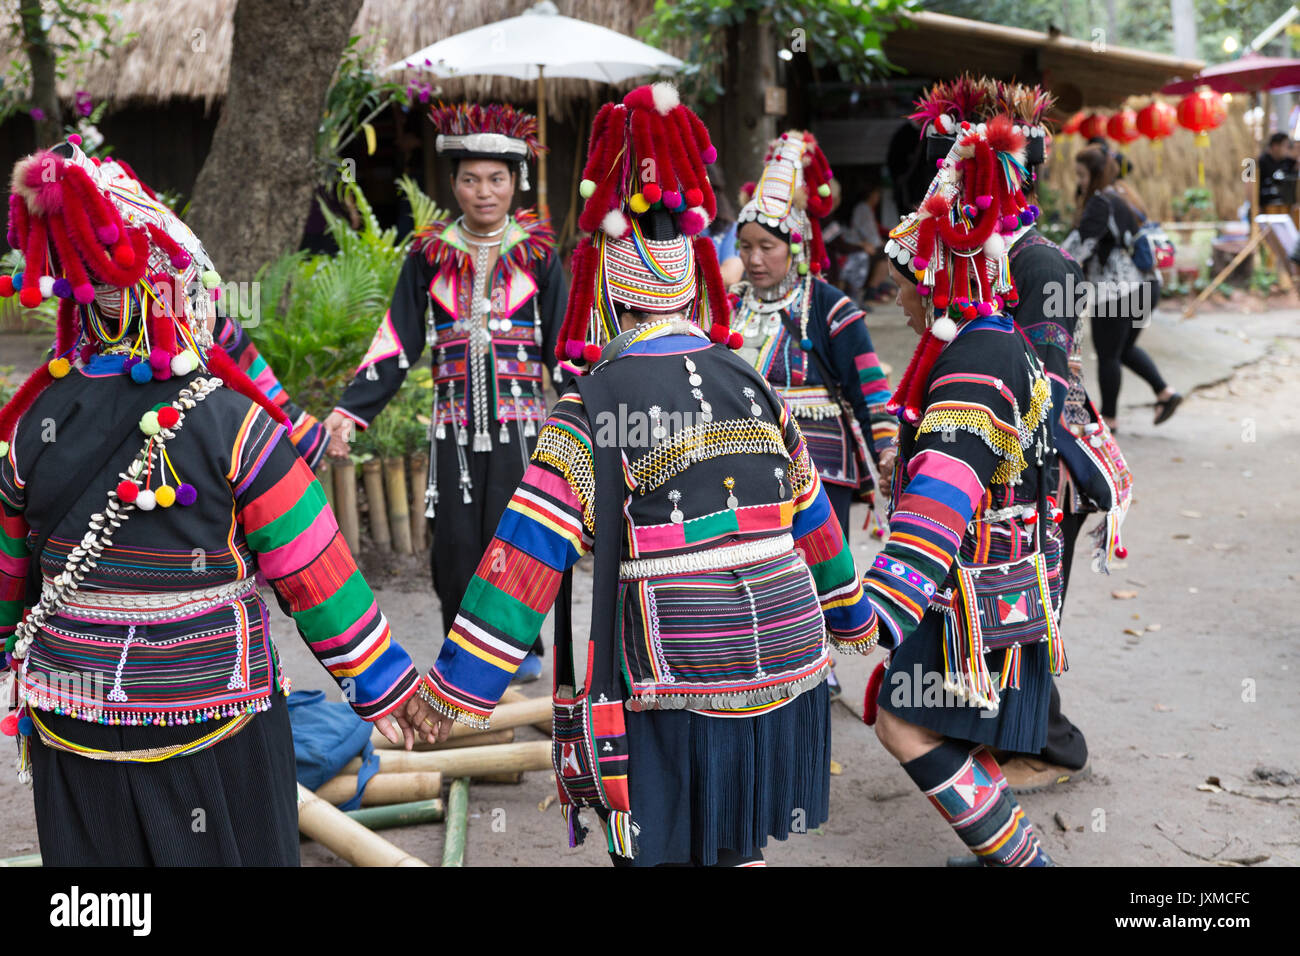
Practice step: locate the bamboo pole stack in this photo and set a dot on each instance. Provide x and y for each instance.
(336, 831)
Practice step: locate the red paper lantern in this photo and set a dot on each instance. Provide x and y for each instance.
(1093, 126)
(1201, 111)
(1156, 120)
(1122, 127)
(1072, 124)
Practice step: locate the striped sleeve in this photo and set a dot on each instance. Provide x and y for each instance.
(289, 526)
(14, 554)
(850, 621)
(944, 481)
(862, 379)
(541, 535)
(308, 434)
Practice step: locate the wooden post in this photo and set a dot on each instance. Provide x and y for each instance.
(465, 762)
(345, 498)
(335, 830)
(543, 207)
(326, 483)
(417, 484)
(399, 517)
(372, 474)
(453, 850)
(383, 788)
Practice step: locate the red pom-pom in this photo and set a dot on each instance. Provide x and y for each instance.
(935, 206)
(30, 296)
(6, 286)
(128, 491)
(9, 726)
(124, 255)
(652, 192)
(735, 341)
(692, 222)
(940, 303)
(1121, 552)
(694, 197)
(709, 154)
(719, 333)
(168, 416)
(591, 354)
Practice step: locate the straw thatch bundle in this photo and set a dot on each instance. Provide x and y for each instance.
(1230, 144)
(182, 47)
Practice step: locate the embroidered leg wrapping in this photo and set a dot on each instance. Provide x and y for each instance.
(968, 788)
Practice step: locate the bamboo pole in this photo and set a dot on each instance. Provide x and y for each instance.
(31, 859)
(543, 205)
(530, 710)
(372, 474)
(399, 515)
(400, 814)
(480, 738)
(465, 762)
(344, 477)
(383, 788)
(512, 696)
(335, 830)
(419, 478)
(510, 778)
(453, 850)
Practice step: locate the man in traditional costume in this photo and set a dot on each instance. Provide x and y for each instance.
(804, 336)
(144, 483)
(967, 586)
(486, 294)
(721, 575)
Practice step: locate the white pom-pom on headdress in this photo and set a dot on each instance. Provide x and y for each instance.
(614, 224)
(665, 97)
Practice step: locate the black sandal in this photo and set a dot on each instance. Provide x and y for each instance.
(1168, 407)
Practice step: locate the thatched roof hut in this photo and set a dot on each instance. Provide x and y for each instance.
(181, 48)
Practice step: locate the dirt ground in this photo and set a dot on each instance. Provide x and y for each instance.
(1182, 660)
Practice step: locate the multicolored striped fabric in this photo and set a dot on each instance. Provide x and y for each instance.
(956, 464)
(258, 507)
(838, 330)
(547, 528)
(308, 435)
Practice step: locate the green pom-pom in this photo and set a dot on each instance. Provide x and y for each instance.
(4, 448)
(796, 248)
(823, 190)
(803, 268)
(586, 188)
(210, 279)
(149, 423)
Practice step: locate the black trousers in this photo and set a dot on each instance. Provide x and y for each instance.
(1116, 342)
(462, 532)
(234, 804)
(1066, 746)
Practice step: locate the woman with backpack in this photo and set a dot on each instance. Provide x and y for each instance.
(1124, 295)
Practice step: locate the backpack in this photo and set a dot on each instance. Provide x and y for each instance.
(1151, 248)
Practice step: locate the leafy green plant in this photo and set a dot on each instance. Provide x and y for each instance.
(839, 35)
(319, 312)
(355, 97)
(1263, 281)
(1194, 205)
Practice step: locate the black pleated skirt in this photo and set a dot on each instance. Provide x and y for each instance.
(912, 690)
(233, 804)
(701, 786)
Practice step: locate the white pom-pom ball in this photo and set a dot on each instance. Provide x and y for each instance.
(665, 97)
(184, 362)
(146, 501)
(614, 224)
(994, 246)
(46, 285)
(982, 128)
(943, 122)
(944, 329)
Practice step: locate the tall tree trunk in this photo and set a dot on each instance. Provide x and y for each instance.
(750, 68)
(44, 96)
(254, 192)
(1184, 16)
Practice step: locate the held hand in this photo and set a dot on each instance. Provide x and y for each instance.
(886, 466)
(339, 427)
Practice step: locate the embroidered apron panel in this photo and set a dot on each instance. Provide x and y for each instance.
(731, 632)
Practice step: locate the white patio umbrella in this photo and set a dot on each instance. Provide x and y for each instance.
(539, 44)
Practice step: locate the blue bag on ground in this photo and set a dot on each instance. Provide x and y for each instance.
(326, 735)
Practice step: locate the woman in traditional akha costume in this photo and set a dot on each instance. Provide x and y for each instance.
(967, 585)
(702, 727)
(493, 292)
(144, 482)
(804, 336)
